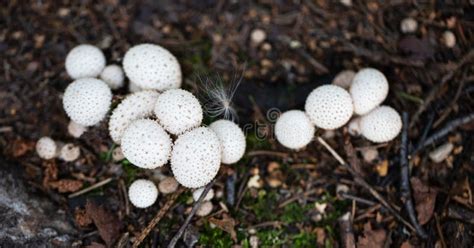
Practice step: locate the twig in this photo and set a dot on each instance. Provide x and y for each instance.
(158, 217)
(405, 189)
(90, 188)
(347, 234)
(267, 153)
(358, 199)
(196, 206)
(296, 197)
(440, 232)
(360, 181)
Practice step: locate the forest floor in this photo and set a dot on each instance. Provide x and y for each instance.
(272, 197)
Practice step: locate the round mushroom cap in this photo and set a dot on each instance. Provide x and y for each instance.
(142, 193)
(46, 148)
(329, 107)
(294, 129)
(146, 144)
(113, 76)
(135, 106)
(152, 67)
(87, 100)
(344, 79)
(354, 127)
(205, 209)
(368, 90)
(75, 129)
(69, 152)
(85, 61)
(168, 185)
(196, 157)
(381, 124)
(198, 192)
(232, 140)
(178, 111)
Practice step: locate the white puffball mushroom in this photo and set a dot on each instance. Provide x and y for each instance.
(146, 144)
(369, 89)
(294, 129)
(133, 87)
(329, 107)
(113, 76)
(69, 152)
(381, 124)
(449, 39)
(178, 111)
(408, 25)
(142, 193)
(196, 157)
(232, 139)
(344, 79)
(168, 185)
(205, 209)
(152, 67)
(117, 154)
(133, 107)
(198, 192)
(354, 127)
(87, 101)
(76, 129)
(46, 148)
(85, 61)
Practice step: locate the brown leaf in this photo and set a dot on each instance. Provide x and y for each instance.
(406, 244)
(425, 198)
(227, 224)
(95, 245)
(82, 218)
(20, 147)
(107, 223)
(416, 48)
(66, 185)
(372, 238)
(50, 172)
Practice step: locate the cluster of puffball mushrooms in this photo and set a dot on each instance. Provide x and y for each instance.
(157, 123)
(332, 106)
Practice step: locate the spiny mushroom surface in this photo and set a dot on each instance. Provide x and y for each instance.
(87, 100)
(135, 106)
(152, 67)
(178, 111)
(294, 129)
(369, 89)
(46, 148)
(329, 107)
(381, 124)
(113, 76)
(146, 144)
(142, 193)
(85, 61)
(196, 157)
(232, 140)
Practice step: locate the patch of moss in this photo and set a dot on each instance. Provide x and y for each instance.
(271, 238)
(294, 212)
(303, 239)
(214, 237)
(130, 171)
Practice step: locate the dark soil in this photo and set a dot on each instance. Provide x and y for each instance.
(307, 43)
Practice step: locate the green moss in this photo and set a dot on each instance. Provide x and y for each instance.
(271, 238)
(295, 212)
(214, 237)
(303, 239)
(130, 171)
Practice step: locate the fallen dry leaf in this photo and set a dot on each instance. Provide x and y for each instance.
(106, 222)
(425, 198)
(50, 172)
(95, 245)
(66, 185)
(227, 224)
(372, 238)
(21, 147)
(406, 244)
(82, 218)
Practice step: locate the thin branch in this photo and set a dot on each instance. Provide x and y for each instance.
(157, 217)
(405, 188)
(90, 188)
(196, 206)
(347, 234)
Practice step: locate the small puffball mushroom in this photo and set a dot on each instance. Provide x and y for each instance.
(168, 185)
(142, 193)
(198, 192)
(178, 111)
(196, 157)
(133, 107)
(344, 79)
(76, 129)
(354, 127)
(232, 140)
(133, 87)
(408, 25)
(46, 148)
(257, 36)
(294, 129)
(152, 67)
(329, 107)
(87, 101)
(146, 144)
(85, 61)
(381, 124)
(113, 76)
(69, 152)
(205, 209)
(117, 154)
(449, 39)
(369, 89)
